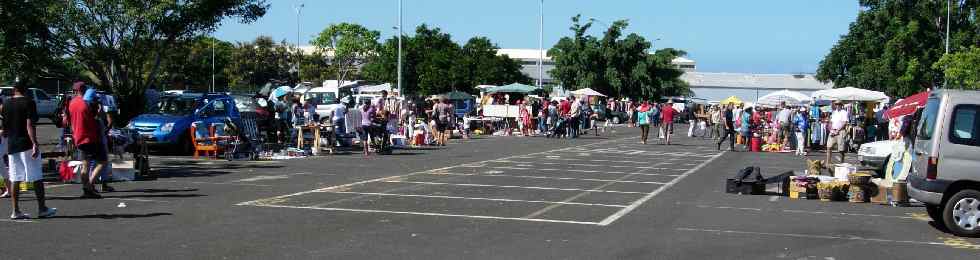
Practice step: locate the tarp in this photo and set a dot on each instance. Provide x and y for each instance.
(587, 92)
(731, 100)
(908, 105)
(281, 91)
(512, 88)
(850, 94)
(375, 88)
(792, 98)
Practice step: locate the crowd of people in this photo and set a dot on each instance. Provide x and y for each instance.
(86, 123)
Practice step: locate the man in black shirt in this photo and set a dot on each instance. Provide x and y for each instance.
(20, 115)
(728, 120)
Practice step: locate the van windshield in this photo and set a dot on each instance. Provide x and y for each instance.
(928, 122)
(322, 98)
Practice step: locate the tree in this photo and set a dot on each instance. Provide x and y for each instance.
(189, 63)
(351, 45)
(434, 64)
(262, 61)
(121, 44)
(893, 45)
(618, 65)
(25, 42)
(962, 69)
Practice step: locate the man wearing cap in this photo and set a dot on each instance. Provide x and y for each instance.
(667, 114)
(85, 131)
(20, 115)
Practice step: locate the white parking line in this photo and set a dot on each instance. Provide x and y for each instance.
(637, 203)
(512, 186)
(429, 214)
(549, 178)
(586, 165)
(259, 201)
(575, 170)
(473, 198)
(557, 158)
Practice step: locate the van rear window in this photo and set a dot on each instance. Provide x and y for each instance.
(927, 124)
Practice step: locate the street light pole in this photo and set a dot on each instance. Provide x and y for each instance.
(299, 52)
(400, 34)
(541, 48)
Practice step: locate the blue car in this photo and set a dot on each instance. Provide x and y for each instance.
(169, 125)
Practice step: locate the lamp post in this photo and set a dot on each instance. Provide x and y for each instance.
(541, 48)
(299, 52)
(400, 47)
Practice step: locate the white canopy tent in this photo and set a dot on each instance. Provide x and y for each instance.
(587, 92)
(850, 94)
(792, 98)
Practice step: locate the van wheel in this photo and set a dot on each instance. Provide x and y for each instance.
(962, 213)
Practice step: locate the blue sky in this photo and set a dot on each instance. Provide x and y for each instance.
(755, 36)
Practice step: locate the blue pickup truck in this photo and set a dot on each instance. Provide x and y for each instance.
(169, 124)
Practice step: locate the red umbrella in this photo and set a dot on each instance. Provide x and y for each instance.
(908, 105)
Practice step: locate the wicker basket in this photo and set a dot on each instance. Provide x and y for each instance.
(859, 178)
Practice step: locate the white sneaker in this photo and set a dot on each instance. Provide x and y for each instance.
(16, 216)
(50, 212)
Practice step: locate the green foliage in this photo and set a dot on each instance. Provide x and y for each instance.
(351, 44)
(262, 61)
(962, 69)
(617, 65)
(434, 64)
(188, 64)
(24, 42)
(893, 45)
(122, 44)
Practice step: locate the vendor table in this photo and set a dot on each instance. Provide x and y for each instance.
(316, 136)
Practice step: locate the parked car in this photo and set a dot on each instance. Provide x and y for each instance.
(876, 154)
(603, 113)
(46, 105)
(250, 104)
(944, 172)
(169, 125)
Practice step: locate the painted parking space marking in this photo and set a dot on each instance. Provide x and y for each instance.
(573, 177)
(513, 187)
(549, 178)
(475, 198)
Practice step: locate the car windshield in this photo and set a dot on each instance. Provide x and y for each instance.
(928, 122)
(322, 98)
(176, 106)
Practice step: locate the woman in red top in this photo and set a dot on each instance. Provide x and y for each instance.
(525, 118)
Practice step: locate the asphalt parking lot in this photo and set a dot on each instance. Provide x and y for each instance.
(604, 197)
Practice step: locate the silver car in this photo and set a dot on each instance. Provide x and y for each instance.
(945, 172)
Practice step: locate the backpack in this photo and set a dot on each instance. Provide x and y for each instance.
(747, 181)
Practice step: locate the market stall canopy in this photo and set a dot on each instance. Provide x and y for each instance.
(850, 94)
(587, 92)
(512, 88)
(792, 98)
(731, 100)
(908, 105)
(281, 91)
(458, 95)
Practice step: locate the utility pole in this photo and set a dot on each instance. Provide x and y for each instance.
(541, 48)
(400, 36)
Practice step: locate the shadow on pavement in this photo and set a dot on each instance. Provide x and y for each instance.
(104, 195)
(114, 216)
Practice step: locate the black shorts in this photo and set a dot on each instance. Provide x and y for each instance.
(442, 126)
(93, 152)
